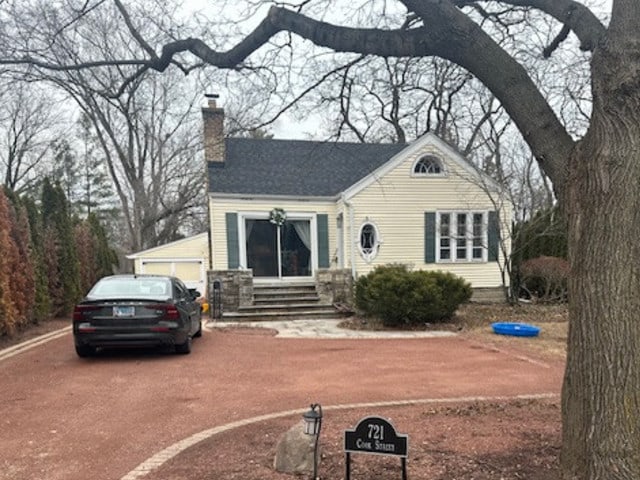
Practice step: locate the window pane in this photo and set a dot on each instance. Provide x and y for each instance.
(428, 165)
(446, 239)
(477, 224)
(444, 224)
(368, 238)
(478, 236)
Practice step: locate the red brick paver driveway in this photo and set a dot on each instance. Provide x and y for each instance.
(64, 418)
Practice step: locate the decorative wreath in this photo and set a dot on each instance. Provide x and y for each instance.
(277, 216)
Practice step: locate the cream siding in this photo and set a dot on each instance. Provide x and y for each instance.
(396, 204)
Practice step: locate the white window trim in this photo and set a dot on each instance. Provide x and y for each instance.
(443, 171)
(469, 236)
(369, 257)
(260, 215)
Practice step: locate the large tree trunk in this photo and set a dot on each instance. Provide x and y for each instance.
(601, 393)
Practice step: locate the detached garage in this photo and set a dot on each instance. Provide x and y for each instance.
(186, 259)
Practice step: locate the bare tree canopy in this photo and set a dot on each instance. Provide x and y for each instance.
(28, 126)
(595, 172)
(448, 29)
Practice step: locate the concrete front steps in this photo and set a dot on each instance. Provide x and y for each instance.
(284, 301)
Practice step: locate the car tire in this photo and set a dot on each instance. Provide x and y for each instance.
(199, 331)
(85, 351)
(184, 348)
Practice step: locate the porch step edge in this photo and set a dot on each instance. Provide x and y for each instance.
(273, 316)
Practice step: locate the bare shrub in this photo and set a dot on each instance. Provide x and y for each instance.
(545, 278)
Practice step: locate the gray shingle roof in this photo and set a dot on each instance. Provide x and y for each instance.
(295, 167)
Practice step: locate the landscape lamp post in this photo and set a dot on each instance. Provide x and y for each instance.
(312, 425)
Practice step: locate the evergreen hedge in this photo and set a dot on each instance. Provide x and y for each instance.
(40, 266)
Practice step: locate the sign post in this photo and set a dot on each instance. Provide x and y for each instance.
(375, 436)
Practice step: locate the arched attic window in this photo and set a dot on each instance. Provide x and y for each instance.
(428, 165)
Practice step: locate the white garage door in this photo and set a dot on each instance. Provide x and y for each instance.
(191, 272)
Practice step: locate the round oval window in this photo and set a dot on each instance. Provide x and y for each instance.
(368, 241)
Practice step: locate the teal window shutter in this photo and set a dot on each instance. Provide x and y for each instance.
(233, 250)
(430, 237)
(493, 237)
(323, 240)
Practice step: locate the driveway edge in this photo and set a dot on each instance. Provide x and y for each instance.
(34, 342)
(174, 450)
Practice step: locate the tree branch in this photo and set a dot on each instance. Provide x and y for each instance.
(134, 32)
(561, 37)
(574, 15)
(454, 36)
(446, 32)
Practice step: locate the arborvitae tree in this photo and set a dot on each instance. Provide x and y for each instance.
(67, 172)
(86, 255)
(106, 257)
(63, 275)
(97, 259)
(8, 311)
(42, 301)
(22, 264)
(51, 250)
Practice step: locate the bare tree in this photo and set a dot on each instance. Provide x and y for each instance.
(595, 176)
(28, 126)
(150, 141)
(148, 134)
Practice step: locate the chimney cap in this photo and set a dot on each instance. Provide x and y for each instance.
(211, 100)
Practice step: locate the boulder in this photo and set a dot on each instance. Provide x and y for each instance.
(294, 453)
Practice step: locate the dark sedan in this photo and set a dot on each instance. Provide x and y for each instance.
(137, 310)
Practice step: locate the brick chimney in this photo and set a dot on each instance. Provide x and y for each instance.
(213, 120)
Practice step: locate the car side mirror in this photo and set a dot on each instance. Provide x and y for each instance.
(194, 293)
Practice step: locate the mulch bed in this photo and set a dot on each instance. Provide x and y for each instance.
(480, 441)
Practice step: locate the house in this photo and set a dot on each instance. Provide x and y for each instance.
(187, 259)
(287, 212)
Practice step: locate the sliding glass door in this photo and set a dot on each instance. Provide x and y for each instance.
(278, 251)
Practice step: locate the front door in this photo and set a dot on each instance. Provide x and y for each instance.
(278, 251)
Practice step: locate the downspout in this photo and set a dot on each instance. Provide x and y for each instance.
(352, 253)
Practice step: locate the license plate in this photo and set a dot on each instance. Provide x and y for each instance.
(124, 311)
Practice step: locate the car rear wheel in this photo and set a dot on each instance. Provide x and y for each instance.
(184, 348)
(85, 350)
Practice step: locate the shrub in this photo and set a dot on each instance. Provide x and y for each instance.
(545, 278)
(401, 297)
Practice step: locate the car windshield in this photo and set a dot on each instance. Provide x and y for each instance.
(129, 287)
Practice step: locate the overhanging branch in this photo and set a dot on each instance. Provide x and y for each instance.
(574, 15)
(455, 37)
(561, 37)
